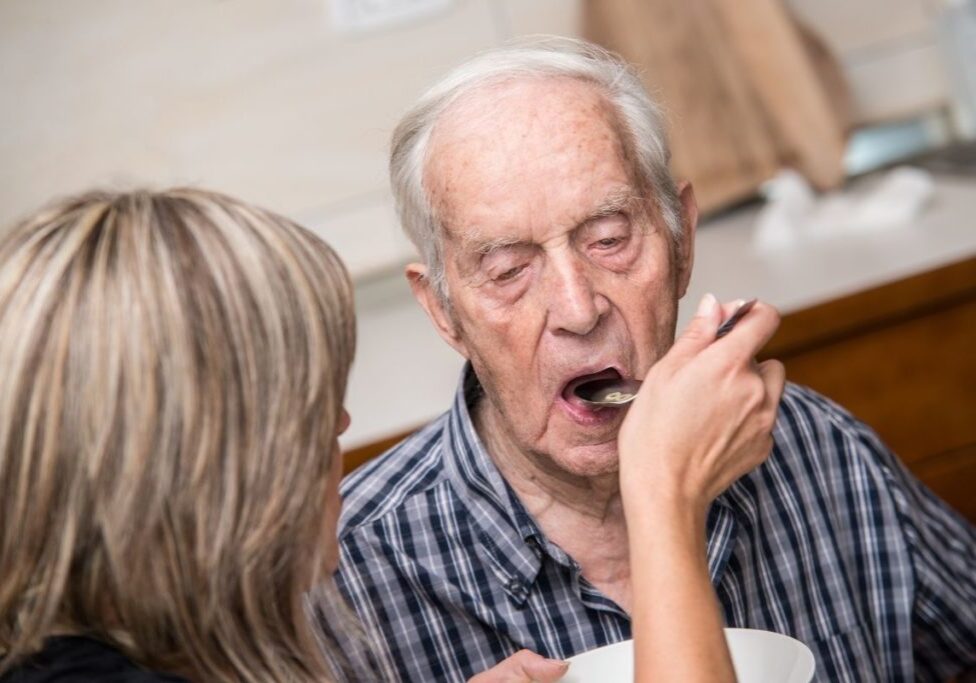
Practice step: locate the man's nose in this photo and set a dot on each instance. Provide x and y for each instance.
(574, 304)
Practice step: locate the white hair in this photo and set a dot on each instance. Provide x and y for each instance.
(643, 130)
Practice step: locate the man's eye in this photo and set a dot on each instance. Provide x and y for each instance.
(509, 274)
(608, 244)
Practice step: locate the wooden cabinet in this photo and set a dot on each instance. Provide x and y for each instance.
(902, 358)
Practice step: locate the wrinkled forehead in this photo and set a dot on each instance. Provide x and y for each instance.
(545, 144)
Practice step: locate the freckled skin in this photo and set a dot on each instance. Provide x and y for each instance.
(528, 164)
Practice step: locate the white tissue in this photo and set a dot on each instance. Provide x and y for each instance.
(789, 203)
(793, 214)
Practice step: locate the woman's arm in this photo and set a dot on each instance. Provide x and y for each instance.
(677, 625)
(702, 419)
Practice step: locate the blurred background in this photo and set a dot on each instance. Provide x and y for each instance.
(290, 104)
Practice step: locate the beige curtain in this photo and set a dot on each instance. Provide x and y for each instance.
(747, 90)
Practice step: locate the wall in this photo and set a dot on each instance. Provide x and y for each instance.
(255, 97)
(888, 49)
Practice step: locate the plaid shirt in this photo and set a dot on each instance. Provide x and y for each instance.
(830, 541)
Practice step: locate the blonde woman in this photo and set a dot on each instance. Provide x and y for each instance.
(173, 372)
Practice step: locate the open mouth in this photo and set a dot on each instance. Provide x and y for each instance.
(585, 384)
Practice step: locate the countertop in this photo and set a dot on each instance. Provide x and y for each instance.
(729, 264)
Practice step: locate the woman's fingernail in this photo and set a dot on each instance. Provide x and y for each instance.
(707, 305)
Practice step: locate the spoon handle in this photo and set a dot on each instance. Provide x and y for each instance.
(727, 326)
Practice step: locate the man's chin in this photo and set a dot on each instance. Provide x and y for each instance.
(588, 460)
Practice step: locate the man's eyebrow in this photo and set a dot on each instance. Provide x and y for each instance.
(614, 203)
(483, 247)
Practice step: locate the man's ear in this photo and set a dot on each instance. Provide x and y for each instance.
(429, 300)
(689, 223)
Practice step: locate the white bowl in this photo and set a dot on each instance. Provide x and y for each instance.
(758, 657)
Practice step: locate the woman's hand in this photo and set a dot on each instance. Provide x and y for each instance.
(523, 667)
(705, 412)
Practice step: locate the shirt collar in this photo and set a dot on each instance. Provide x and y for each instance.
(513, 541)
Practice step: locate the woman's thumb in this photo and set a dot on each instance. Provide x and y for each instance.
(700, 331)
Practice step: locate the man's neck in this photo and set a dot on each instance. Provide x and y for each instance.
(582, 515)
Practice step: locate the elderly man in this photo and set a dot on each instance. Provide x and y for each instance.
(534, 181)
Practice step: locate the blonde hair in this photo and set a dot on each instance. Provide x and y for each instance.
(173, 371)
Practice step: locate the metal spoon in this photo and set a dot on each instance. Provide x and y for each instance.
(618, 392)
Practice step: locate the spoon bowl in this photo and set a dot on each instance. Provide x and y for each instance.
(609, 392)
